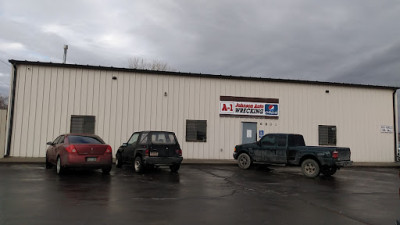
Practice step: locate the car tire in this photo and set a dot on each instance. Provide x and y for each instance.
(106, 170)
(244, 161)
(310, 168)
(329, 171)
(48, 164)
(138, 164)
(174, 168)
(60, 169)
(118, 161)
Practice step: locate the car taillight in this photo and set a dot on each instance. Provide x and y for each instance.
(179, 152)
(147, 152)
(335, 154)
(109, 150)
(234, 150)
(70, 149)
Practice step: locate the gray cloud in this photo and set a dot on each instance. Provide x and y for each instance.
(343, 41)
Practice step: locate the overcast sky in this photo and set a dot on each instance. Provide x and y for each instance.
(356, 41)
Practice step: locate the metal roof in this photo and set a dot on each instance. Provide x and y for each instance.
(200, 75)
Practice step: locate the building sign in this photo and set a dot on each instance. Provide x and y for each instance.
(249, 108)
(386, 129)
(271, 109)
(232, 106)
(261, 133)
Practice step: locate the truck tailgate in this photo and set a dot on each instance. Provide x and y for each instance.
(343, 154)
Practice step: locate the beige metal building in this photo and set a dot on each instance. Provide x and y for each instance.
(210, 114)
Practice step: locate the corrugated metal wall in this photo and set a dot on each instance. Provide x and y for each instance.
(3, 125)
(46, 97)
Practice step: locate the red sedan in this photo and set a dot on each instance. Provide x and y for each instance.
(79, 151)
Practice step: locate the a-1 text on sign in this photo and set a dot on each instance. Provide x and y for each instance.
(249, 108)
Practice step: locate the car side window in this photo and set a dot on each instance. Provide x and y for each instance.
(133, 139)
(56, 140)
(268, 140)
(143, 139)
(61, 140)
(281, 140)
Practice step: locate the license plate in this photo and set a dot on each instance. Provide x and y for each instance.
(153, 153)
(91, 159)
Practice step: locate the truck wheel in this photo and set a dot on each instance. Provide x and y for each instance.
(329, 171)
(310, 168)
(138, 164)
(244, 161)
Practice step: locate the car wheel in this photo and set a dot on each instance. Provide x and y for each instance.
(60, 169)
(329, 171)
(174, 168)
(118, 161)
(138, 164)
(310, 168)
(244, 161)
(48, 164)
(106, 170)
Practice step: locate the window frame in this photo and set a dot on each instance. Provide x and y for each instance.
(86, 129)
(325, 135)
(188, 136)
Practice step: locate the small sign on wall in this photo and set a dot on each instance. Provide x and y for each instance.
(261, 133)
(386, 129)
(249, 133)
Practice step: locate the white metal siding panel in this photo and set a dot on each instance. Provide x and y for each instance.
(46, 98)
(3, 126)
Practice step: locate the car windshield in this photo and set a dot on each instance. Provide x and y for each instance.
(74, 139)
(163, 138)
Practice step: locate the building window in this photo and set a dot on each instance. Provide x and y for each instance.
(327, 135)
(196, 130)
(82, 124)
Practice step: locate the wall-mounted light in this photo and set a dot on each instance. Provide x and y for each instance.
(327, 91)
(114, 78)
(165, 94)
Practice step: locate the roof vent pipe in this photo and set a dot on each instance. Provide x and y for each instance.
(65, 53)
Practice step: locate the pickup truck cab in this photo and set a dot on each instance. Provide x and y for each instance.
(290, 149)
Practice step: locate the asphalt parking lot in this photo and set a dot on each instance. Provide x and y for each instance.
(198, 194)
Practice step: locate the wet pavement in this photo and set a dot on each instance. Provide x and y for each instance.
(198, 194)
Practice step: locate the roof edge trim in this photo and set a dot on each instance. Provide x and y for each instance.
(200, 75)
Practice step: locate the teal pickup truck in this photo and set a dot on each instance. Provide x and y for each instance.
(290, 149)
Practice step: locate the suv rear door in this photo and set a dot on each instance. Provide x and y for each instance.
(163, 144)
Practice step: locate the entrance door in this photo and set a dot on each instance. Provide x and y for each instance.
(249, 132)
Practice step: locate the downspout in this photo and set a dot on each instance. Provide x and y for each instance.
(11, 111)
(396, 158)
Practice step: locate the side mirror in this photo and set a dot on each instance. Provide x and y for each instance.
(124, 144)
(50, 143)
